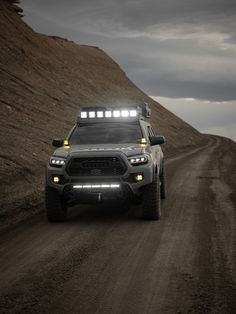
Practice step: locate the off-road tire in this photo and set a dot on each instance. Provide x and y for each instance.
(55, 208)
(163, 181)
(151, 202)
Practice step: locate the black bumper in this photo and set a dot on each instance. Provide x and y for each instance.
(89, 195)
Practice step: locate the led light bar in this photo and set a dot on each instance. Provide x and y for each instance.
(126, 113)
(96, 186)
(116, 111)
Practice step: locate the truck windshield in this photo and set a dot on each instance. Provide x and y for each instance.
(106, 133)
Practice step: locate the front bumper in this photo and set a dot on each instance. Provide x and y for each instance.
(94, 193)
(99, 188)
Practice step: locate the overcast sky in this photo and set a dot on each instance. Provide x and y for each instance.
(181, 52)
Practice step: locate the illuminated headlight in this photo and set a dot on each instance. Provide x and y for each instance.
(57, 162)
(137, 160)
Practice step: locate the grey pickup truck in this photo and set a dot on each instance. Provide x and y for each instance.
(112, 154)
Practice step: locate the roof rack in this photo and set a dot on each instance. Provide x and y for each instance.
(114, 113)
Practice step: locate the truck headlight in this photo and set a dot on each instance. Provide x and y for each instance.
(57, 161)
(138, 160)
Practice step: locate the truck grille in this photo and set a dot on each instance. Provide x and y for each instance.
(96, 166)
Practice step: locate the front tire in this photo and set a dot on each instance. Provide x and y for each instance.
(151, 202)
(55, 207)
(163, 181)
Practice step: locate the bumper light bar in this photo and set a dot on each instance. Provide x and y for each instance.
(96, 186)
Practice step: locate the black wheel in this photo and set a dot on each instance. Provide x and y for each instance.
(151, 202)
(163, 181)
(125, 206)
(56, 209)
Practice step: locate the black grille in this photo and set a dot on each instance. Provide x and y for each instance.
(98, 166)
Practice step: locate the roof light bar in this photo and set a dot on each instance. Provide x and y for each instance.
(96, 186)
(108, 114)
(119, 111)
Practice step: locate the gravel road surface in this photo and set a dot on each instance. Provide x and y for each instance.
(104, 260)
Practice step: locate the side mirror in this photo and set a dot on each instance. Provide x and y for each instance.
(157, 140)
(58, 142)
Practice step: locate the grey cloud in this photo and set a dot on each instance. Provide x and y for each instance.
(169, 48)
(177, 69)
(208, 117)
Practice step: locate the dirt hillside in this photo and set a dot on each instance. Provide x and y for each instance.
(43, 83)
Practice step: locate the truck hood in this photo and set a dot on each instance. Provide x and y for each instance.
(127, 149)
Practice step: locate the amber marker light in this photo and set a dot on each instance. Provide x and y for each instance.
(56, 179)
(143, 142)
(139, 177)
(66, 144)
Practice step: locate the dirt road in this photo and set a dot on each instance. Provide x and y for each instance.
(106, 261)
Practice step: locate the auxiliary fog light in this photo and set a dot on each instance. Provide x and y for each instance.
(56, 179)
(139, 177)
